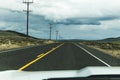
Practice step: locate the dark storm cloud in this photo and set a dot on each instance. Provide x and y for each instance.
(78, 22)
(15, 16)
(86, 21)
(20, 17)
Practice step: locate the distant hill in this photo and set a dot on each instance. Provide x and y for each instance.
(112, 39)
(19, 37)
(9, 33)
(12, 39)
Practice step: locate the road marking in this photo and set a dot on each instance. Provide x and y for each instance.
(38, 58)
(40, 55)
(93, 55)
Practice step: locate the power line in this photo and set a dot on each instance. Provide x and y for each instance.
(27, 2)
(50, 31)
(60, 37)
(57, 35)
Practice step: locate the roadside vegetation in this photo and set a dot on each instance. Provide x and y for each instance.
(111, 48)
(10, 39)
(15, 42)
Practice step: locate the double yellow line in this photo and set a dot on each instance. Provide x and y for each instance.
(38, 58)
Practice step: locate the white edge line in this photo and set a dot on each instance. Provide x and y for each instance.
(93, 55)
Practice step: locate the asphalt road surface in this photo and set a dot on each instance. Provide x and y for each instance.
(57, 56)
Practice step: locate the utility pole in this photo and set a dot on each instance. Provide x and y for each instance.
(50, 30)
(57, 35)
(27, 2)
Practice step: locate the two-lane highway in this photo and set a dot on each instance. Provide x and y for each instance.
(57, 56)
(14, 59)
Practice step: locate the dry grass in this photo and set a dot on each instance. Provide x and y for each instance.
(10, 44)
(12, 39)
(115, 53)
(48, 42)
(7, 46)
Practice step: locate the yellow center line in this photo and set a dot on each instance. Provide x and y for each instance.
(40, 55)
(38, 58)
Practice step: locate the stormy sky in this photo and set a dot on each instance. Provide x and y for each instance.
(74, 19)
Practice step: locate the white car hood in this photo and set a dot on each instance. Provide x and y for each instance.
(40, 75)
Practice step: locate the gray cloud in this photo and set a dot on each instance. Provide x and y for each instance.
(78, 22)
(86, 20)
(20, 17)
